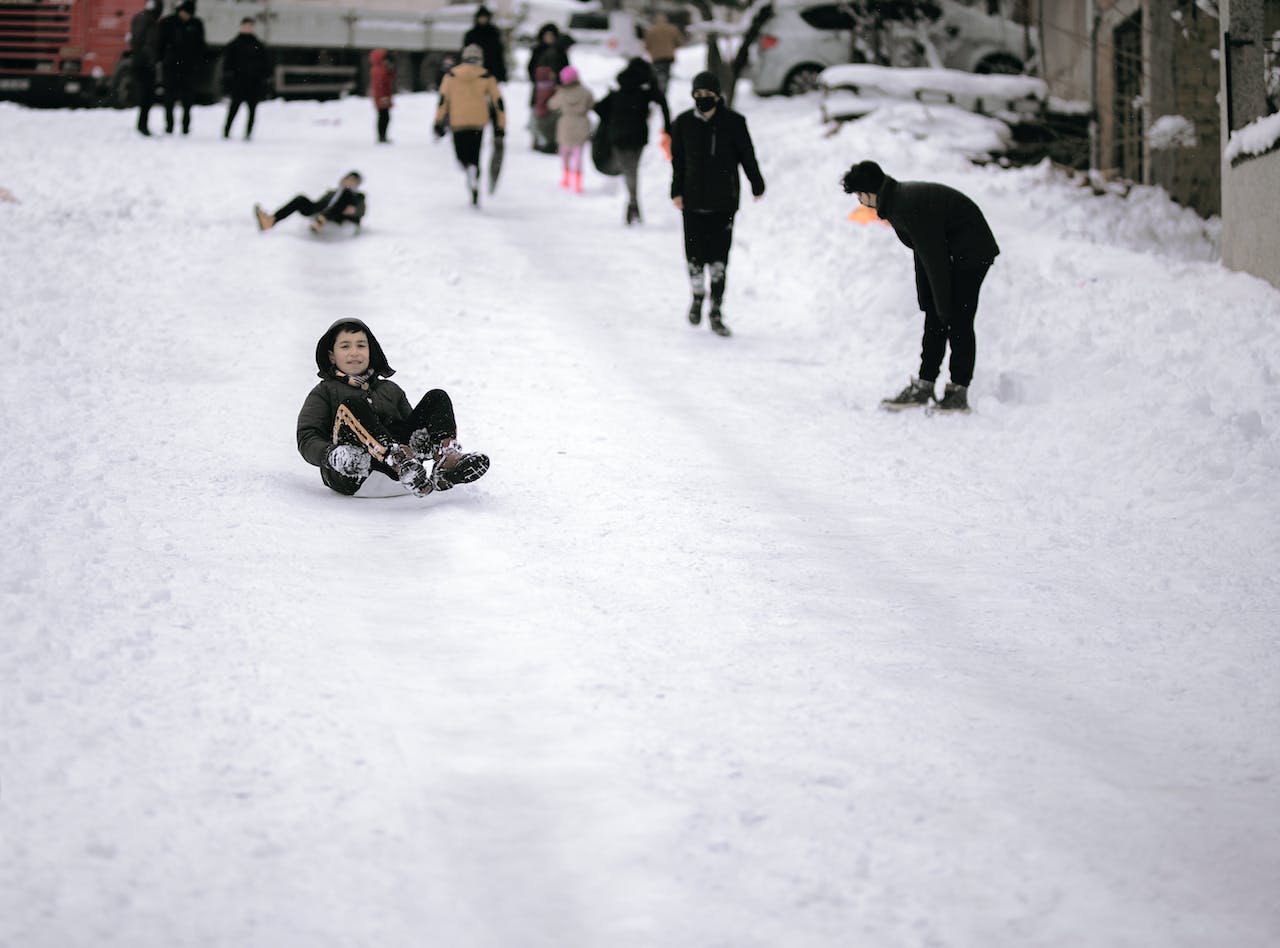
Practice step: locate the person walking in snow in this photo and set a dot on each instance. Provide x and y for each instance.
(469, 100)
(709, 143)
(624, 114)
(382, 84)
(245, 68)
(357, 421)
(144, 49)
(546, 59)
(661, 41)
(953, 249)
(343, 204)
(183, 53)
(485, 35)
(573, 101)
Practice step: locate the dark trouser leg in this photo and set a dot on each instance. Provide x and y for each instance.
(170, 97)
(299, 205)
(707, 239)
(433, 414)
(384, 122)
(252, 104)
(966, 282)
(933, 343)
(662, 70)
(188, 100)
(232, 109)
(144, 84)
(466, 145)
(629, 162)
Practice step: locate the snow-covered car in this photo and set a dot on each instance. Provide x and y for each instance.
(794, 40)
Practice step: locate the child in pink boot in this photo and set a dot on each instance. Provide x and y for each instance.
(573, 101)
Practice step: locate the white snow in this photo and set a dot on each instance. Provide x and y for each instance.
(1171, 131)
(717, 654)
(1257, 138)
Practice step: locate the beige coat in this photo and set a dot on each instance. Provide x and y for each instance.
(661, 41)
(466, 95)
(574, 104)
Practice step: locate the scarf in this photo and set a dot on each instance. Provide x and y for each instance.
(360, 381)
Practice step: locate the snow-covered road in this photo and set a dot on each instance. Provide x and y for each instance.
(717, 654)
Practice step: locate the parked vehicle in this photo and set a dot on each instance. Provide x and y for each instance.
(794, 40)
(73, 52)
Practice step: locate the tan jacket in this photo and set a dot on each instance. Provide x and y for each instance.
(573, 102)
(466, 95)
(661, 41)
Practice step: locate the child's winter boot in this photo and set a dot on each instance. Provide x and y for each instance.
(955, 398)
(454, 466)
(409, 470)
(577, 182)
(565, 179)
(916, 395)
(695, 311)
(716, 318)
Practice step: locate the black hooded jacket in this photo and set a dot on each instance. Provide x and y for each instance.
(944, 229)
(487, 37)
(627, 108)
(245, 66)
(553, 55)
(705, 156)
(315, 420)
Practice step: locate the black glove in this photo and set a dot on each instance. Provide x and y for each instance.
(438, 129)
(499, 133)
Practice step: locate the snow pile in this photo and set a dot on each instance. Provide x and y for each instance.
(1256, 138)
(1171, 131)
(717, 653)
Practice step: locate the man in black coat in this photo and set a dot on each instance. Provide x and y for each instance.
(708, 145)
(245, 67)
(485, 35)
(183, 52)
(144, 49)
(953, 249)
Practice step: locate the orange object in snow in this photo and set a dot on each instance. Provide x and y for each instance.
(866, 215)
(664, 142)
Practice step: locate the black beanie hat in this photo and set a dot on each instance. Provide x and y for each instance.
(708, 81)
(865, 176)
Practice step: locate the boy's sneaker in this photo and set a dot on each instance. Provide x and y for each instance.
(265, 220)
(955, 399)
(695, 311)
(317, 223)
(454, 466)
(717, 322)
(916, 395)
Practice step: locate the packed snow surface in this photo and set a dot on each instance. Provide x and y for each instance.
(717, 654)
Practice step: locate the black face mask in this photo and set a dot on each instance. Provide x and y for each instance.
(706, 103)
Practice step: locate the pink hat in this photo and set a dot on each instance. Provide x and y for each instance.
(568, 74)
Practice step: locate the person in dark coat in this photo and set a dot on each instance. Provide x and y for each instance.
(144, 49)
(183, 52)
(245, 68)
(357, 421)
(624, 112)
(953, 248)
(709, 143)
(345, 203)
(546, 60)
(487, 36)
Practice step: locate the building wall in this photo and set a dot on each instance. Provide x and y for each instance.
(1065, 46)
(1250, 222)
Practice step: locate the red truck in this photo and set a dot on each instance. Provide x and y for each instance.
(61, 52)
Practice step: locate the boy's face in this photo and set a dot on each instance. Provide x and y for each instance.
(350, 352)
(351, 182)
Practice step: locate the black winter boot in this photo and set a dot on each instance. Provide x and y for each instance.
(916, 395)
(717, 320)
(695, 311)
(955, 399)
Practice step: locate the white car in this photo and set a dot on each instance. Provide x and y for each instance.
(794, 40)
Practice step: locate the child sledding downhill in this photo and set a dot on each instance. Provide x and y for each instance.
(356, 421)
(345, 203)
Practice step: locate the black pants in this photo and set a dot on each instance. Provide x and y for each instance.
(662, 72)
(629, 162)
(178, 87)
(966, 281)
(708, 235)
(144, 85)
(251, 101)
(384, 122)
(301, 204)
(433, 415)
(466, 145)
